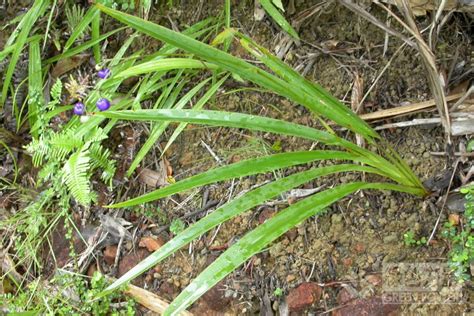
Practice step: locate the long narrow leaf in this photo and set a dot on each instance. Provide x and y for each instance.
(278, 17)
(36, 11)
(95, 34)
(162, 127)
(243, 69)
(164, 65)
(199, 105)
(228, 211)
(35, 85)
(241, 169)
(257, 239)
(252, 122)
(230, 119)
(86, 20)
(78, 49)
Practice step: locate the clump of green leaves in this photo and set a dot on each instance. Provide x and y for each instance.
(177, 226)
(278, 292)
(67, 158)
(410, 240)
(461, 255)
(67, 294)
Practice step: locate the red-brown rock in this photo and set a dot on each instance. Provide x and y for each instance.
(92, 269)
(265, 214)
(303, 296)
(374, 279)
(110, 253)
(131, 260)
(151, 243)
(344, 296)
(359, 247)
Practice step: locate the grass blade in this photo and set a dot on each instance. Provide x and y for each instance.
(95, 34)
(241, 68)
(229, 119)
(241, 169)
(199, 105)
(264, 124)
(278, 18)
(164, 65)
(228, 211)
(36, 11)
(156, 133)
(82, 47)
(86, 20)
(35, 85)
(257, 239)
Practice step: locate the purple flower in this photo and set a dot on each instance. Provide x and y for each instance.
(103, 104)
(103, 73)
(79, 108)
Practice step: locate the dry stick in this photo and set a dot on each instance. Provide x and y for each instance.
(148, 299)
(459, 126)
(435, 22)
(407, 109)
(463, 98)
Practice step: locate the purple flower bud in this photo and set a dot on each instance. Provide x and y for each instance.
(103, 104)
(79, 108)
(103, 73)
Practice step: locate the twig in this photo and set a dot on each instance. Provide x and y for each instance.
(213, 154)
(150, 300)
(406, 109)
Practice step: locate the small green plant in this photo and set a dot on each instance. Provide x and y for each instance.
(66, 294)
(177, 226)
(278, 292)
(410, 240)
(461, 255)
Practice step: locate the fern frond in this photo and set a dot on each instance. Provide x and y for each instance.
(48, 171)
(100, 158)
(39, 149)
(55, 95)
(97, 135)
(64, 143)
(74, 16)
(76, 177)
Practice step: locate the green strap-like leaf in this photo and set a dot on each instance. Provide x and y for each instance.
(86, 20)
(164, 65)
(260, 237)
(78, 49)
(199, 105)
(230, 119)
(228, 211)
(259, 123)
(159, 129)
(35, 85)
(36, 11)
(241, 169)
